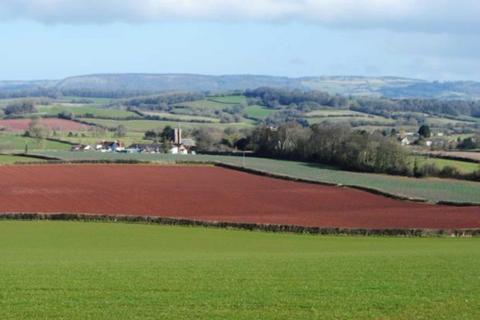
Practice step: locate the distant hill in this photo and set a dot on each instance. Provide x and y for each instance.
(392, 87)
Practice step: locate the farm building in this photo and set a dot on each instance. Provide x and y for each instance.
(146, 147)
(81, 147)
(110, 146)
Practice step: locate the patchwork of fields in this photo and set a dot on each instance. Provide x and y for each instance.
(431, 189)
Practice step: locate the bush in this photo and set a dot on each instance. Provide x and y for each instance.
(450, 172)
(427, 170)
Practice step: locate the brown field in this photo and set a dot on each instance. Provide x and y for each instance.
(52, 124)
(212, 194)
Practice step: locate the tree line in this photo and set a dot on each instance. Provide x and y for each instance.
(309, 100)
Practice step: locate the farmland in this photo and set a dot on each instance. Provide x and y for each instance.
(17, 143)
(258, 112)
(81, 110)
(77, 270)
(11, 159)
(214, 194)
(431, 189)
(20, 125)
(144, 125)
(462, 166)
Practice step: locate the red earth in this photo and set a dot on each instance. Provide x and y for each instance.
(51, 123)
(212, 194)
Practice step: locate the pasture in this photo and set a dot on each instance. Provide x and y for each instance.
(74, 270)
(16, 143)
(12, 159)
(144, 125)
(462, 166)
(258, 112)
(86, 111)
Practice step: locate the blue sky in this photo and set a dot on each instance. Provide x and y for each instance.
(51, 39)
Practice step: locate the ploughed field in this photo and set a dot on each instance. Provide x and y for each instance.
(52, 124)
(210, 193)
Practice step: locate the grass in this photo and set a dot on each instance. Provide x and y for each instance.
(228, 99)
(74, 270)
(91, 138)
(181, 117)
(367, 119)
(97, 101)
(83, 110)
(11, 159)
(258, 112)
(204, 104)
(431, 189)
(336, 113)
(144, 125)
(462, 166)
(12, 142)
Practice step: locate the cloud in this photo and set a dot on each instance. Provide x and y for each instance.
(438, 16)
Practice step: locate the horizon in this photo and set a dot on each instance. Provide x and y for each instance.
(236, 74)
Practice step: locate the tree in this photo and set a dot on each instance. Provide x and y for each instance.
(424, 131)
(120, 131)
(37, 130)
(20, 107)
(167, 134)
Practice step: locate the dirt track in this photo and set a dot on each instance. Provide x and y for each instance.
(212, 194)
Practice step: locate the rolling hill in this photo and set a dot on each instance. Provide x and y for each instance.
(140, 83)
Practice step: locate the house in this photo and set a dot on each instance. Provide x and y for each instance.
(81, 147)
(406, 141)
(110, 146)
(146, 147)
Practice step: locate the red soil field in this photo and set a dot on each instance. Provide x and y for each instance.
(52, 124)
(212, 194)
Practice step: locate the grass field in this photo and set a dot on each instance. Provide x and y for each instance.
(431, 189)
(85, 111)
(91, 138)
(11, 159)
(144, 125)
(258, 112)
(204, 104)
(228, 99)
(12, 142)
(462, 166)
(181, 117)
(73, 270)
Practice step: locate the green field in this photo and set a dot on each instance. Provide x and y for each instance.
(92, 138)
(85, 110)
(75, 270)
(144, 125)
(462, 166)
(181, 117)
(431, 189)
(228, 99)
(330, 112)
(11, 159)
(12, 142)
(258, 112)
(204, 104)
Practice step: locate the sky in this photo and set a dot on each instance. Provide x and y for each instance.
(425, 39)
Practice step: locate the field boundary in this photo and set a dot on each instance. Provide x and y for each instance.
(275, 228)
